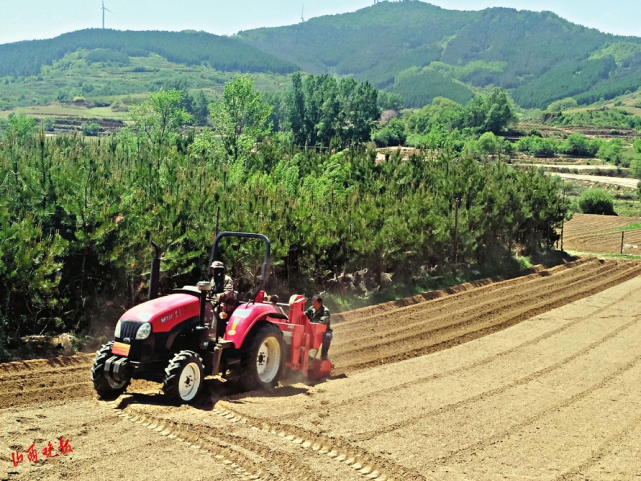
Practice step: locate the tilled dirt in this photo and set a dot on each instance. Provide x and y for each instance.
(533, 377)
(602, 234)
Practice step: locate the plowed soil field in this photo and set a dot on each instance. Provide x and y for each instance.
(602, 234)
(535, 377)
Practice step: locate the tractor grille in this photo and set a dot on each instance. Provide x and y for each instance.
(129, 329)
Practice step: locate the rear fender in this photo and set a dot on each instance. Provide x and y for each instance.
(243, 320)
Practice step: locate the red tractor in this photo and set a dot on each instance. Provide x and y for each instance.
(187, 336)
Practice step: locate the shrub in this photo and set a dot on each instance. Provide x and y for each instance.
(537, 146)
(596, 201)
(90, 130)
(489, 143)
(577, 144)
(561, 105)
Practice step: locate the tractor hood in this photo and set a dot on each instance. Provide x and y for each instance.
(165, 312)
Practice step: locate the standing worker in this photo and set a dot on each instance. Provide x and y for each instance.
(319, 314)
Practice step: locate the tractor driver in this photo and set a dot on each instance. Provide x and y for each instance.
(227, 298)
(229, 283)
(319, 314)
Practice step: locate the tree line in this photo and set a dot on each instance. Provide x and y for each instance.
(77, 216)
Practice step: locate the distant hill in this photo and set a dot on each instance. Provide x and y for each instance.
(539, 57)
(226, 54)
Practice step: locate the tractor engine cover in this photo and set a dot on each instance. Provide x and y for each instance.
(165, 313)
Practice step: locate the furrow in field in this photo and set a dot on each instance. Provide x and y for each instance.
(500, 385)
(529, 420)
(415, 380)
(474, 326)
(434, 316)
(454, 294)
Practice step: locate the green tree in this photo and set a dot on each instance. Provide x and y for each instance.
(239, 119)
(390, 101)
(491, 113)
(489, 143)
(320, 110)
(580, 145)
(611, 151)
(441, 114)
(201, 109)
(159, 118)
(20, 127)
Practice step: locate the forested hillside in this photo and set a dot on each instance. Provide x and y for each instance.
(539, 57)
(189, 48)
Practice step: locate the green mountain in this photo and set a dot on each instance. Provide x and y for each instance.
(23, 59)
(423, 51)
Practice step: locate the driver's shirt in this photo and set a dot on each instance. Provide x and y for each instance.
(319, 317)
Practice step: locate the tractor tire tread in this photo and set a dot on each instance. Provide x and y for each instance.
(248, 378)
(172, 373)
(100, 383)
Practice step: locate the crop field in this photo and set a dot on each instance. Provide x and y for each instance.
(602, 234)
(530, 377)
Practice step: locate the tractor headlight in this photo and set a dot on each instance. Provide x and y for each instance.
(143, 332)
(117, 331)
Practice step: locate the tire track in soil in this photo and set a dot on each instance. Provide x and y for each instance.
(492, 321)
(519, 382)
(233, 462)
(362, 461)
(459, 454)
(206, 437)
(597, 455)
(482, 362)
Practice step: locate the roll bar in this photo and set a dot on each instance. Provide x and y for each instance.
(264, 272)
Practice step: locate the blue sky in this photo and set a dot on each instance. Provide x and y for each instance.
(30, 19)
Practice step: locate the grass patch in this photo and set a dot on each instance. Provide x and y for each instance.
(614, 256)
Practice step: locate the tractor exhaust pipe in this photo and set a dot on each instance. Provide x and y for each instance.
(154, 277)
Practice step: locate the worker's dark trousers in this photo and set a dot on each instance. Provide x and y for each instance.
(327, 340)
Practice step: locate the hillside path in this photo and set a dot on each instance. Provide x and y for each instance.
(623, 182)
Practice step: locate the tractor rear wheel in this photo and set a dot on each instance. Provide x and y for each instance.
(106, 388)
(262, 358)
(184, 376)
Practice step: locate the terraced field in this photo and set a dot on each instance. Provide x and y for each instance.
(602, 234)
(534, 377)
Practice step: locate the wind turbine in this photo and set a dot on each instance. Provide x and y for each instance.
(302, 15)
(104, 9)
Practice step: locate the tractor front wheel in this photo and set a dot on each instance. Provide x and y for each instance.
(106, 388)
(184, 376)
(262, 358)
